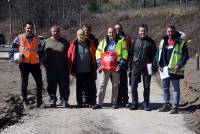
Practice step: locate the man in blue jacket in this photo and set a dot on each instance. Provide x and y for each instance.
(173, 54)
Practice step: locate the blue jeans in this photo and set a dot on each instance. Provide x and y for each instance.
(166, 91)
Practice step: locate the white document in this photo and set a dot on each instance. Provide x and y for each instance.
(149, 68)
(164, 74)
(17, 57)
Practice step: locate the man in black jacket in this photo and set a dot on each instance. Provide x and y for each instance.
(142, 52)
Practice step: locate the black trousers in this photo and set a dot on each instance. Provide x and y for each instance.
(34, 69)
(60, 78)
(123, 88)
(85, 87)
(135, 79)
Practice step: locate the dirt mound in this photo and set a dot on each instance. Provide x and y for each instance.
(11, 112)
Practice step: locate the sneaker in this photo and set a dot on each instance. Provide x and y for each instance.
(164, 108)
(146, 106)
(115, 106)
(52, 103)
(174, 111)
(97, 106)
(133, 107)
(64, 103)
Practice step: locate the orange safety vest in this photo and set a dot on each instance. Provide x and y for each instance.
(29, 51)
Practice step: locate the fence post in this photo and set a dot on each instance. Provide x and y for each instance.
(197, 61)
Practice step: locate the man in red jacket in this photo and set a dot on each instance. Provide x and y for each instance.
(82, 64)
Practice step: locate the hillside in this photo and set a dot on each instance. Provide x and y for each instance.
(185, 18)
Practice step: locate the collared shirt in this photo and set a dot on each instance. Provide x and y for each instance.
(111, 46)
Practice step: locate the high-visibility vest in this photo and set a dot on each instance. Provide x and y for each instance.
(175, 56)
(29, 51)
(120, 49)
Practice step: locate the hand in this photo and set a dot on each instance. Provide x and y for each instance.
(99, 69)
(160, 69)
(117, 69)
(176, 69)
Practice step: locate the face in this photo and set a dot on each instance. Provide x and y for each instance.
(118, 29)
(87, 31)
(81, 36)
(29, 29)
(142, 32)
(170, 32)
(55, 32)
(111, 33)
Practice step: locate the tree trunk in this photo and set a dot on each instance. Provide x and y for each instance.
(50, 11)
(144, 3)
(154, 3)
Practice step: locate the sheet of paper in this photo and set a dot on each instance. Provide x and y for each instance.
(149, 68)
(164, 74)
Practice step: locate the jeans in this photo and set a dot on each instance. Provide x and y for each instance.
(166, 91)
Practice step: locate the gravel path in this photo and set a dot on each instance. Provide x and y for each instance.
(106, 120)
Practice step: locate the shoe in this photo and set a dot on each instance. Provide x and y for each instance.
(164, 108)
(128, 105)
(174, 111)
(146, 106)
(79, 106)
(26, 103)
(86, 105)
(115, 106)
(64, 103)
(41, 105)
(97, 106)
(52, 103)
(133, 107)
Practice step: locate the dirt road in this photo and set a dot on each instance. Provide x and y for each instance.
(106, 120)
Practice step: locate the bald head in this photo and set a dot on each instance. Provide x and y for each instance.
(81, 36)
(111, 33)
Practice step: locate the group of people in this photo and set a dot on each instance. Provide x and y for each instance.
(115, 58)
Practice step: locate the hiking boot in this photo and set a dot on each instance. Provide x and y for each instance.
(52, 103)
(97, 106)
(146, 106)
(164, 108)
(115, 106)
(174, 111)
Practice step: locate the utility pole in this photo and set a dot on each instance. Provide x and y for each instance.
(10, 14)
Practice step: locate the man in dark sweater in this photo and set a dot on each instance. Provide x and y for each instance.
(56, 64)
